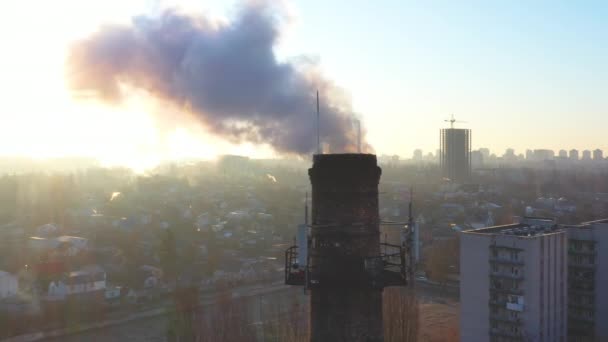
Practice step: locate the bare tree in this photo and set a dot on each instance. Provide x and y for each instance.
(401, 312)
(448, 333)
(441, 256)
(287, 323)
(225, 321)
(232, 320)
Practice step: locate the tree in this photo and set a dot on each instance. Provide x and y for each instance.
(401, 315)
(168, 256)
(184, 316)
(127, 244)
(439, 260)
(288, 322)
(449, 333)
(226, 321)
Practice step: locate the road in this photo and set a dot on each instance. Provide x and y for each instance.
(263, 302)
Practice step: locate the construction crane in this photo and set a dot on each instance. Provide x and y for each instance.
(452, 121)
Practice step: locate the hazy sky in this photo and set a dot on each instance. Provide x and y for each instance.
(522, 74)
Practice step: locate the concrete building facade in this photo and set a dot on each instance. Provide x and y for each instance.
(514, 283)
(588, 281)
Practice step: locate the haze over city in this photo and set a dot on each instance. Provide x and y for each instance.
(303, 171)
(520, 75)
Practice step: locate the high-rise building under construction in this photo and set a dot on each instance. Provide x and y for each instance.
(455, 154)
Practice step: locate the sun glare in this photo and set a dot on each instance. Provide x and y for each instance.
(43, 119)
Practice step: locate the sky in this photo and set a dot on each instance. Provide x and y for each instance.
(521, 74)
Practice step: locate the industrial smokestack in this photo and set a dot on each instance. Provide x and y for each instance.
(227, 75)
(345, 301)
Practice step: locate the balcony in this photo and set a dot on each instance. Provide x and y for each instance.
(586, 288)
(509, 248)
(506, 319)
(580, 329)
(505, 304)
(581, 305)
(515, 335)
(515, 306)
(581, 251)
(574, 318)
(507, 275)
(584, 266)
(581, 262)
(498, 302)
(506, 290)
(582, 291)
(506, 261)
(586, 276)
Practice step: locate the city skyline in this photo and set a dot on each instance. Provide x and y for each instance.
(521, 76)
(290, 170)
(418, 152)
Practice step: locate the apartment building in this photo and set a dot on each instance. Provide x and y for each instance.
(588, 281)
(514, 282)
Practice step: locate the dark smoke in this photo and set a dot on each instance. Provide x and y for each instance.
(227, 75)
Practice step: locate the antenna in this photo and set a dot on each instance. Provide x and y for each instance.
(452, 121)
(410, 220)
(306, 210)
(358, 136)
(412, 240)
(318, 126)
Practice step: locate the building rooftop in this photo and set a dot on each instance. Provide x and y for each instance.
(605, 220)
(68, 238)
(530, 226)
(88, 270)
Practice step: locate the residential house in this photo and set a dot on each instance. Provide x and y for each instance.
(9, 285)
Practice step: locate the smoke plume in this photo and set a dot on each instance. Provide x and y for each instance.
(227, 75)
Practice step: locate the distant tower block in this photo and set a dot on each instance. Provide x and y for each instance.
(345, 231)
(455, 154)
